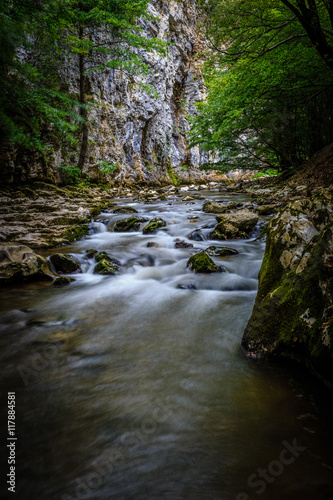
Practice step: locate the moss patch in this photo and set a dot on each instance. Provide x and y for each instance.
(202, 263)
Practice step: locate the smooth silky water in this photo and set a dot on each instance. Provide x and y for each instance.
(129, 387)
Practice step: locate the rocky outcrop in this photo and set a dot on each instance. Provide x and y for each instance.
(142, 136)
(293, 312)
(20, 263)
(45, 216)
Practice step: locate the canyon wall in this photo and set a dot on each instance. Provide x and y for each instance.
(143, 136)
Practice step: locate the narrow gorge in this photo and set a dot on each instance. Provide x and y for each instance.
(166, 312)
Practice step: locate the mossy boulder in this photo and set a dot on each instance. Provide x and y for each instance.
(106, 265)
(293, 312)
(20, 263)
(124, 210)
(220, 251)
(154, 225)
(202, 263)
(235, 225)
(65, 263)
(215, 208)
(128, 225)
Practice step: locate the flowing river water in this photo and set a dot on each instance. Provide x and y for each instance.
(134, 387)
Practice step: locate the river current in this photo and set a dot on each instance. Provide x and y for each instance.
(134, 387)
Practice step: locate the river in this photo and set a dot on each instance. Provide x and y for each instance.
(134, 387)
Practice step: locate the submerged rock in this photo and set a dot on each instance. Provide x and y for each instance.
(125, 210)
(196, 236)
(19, 263)
(220, 251)
(190, 286)
(202, 263)
(63, 281)
(127, 225)
(154, 225)
(235, 225)
(182, 244)
(152, 244)
(65, 263)
(293, 312)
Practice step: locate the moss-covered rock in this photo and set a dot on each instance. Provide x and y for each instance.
(202, 263)
(63, 281)
(293, 312)
(65, 263)
(267, 209)
(106, 267)
(154, 225)
(106, 264)
(220, 251)
(75, 233)
(125, 210)
(91, 253)
(128, 225)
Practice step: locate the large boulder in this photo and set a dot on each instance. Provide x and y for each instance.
(20, 263)
(293, 312)
(235, 225)
(215, 208)
(65, 263)
(202, 263)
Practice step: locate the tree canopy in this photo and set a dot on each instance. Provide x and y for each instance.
(269, 82)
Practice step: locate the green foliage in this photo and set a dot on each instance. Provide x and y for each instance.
(69, 174)
(269, 89)
(108, 168)
(172, 176)
(271, 172)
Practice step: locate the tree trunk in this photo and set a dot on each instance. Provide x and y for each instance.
(83, 111)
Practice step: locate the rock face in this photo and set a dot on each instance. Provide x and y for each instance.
(236, 225)
(19, 263)
(293, 312)
(142, 136)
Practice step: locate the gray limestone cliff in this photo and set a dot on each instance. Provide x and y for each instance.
(143, 136)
